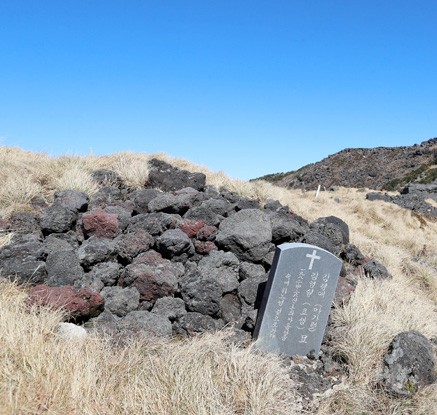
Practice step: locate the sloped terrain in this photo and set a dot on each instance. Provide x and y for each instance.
(381, 168)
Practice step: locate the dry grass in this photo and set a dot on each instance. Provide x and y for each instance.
(25, 175)
(40, 374)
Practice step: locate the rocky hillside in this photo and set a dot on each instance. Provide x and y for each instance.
(178, 257)
(380, 168)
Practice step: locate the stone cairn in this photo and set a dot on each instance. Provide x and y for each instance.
(175, 258)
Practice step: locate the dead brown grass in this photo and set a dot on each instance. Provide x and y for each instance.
(42, 373)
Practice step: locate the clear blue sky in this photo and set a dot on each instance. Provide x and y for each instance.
(247, 87)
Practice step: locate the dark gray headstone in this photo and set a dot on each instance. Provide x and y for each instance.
(297, 300)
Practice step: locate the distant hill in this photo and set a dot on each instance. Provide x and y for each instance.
(380, 168)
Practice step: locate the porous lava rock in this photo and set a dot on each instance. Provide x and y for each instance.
(80, 304)
(100, 223)
(57, 219)
(247, 233)
(153, 276)
(168, 178)
(73, 200)
(409, 364)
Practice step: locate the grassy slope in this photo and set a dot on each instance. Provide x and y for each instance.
(41, 374)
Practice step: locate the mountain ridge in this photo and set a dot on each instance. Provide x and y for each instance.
(379, 168)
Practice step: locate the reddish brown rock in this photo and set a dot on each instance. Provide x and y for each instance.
(204, 247)
(191, 227)
(80, 304)
(151, 258)
(100, 223)
(153, 276)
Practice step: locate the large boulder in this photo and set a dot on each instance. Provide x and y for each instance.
(409, 364)
(247, 233)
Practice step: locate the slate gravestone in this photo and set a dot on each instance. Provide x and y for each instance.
(297, 300)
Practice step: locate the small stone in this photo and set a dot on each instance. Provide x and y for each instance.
(72, 332)
(193, 323)
(63, 268)
(204, 247)
(375, 270)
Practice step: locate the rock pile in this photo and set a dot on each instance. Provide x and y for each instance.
(172, 259)
(414, 196)
(175, 258)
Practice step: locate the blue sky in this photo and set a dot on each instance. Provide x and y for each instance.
(246, 87)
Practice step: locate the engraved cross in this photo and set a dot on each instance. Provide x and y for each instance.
(313, 256)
